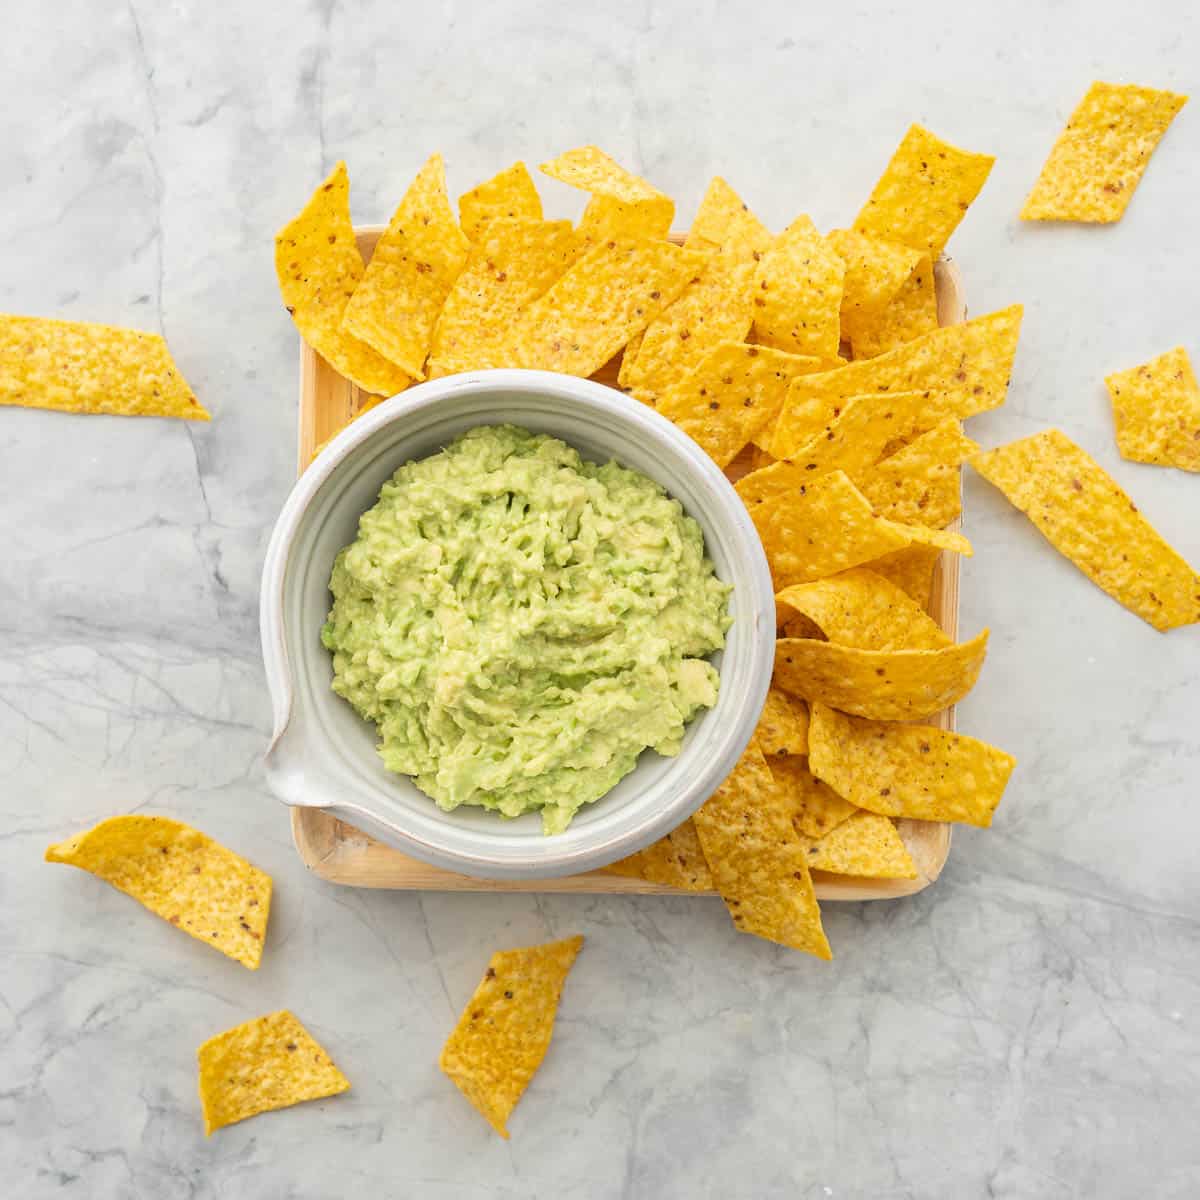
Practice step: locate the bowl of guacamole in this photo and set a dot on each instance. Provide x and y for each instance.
(515, 624)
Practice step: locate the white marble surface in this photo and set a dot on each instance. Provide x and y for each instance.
(1030, 1027)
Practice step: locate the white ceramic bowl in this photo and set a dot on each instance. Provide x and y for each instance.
(323, 753)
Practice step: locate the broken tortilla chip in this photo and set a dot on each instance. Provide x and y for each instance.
(510, 194)
(783, 725)
(79, 367)
(506, 1027)
(675, 860)
(1099, 158)
(916, 771)
(622, 204)
(924, 192)
(885, 685)
(921, 482)
(815, 808)
(1156, 410)
(181, 875)
(1082, 512)
(266, 1064)
(910, 314)
(319, 267)
(866, 844)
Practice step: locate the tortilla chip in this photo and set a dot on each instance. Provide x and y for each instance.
(798, 293)
(921, 482)
(181, 875)
(1099, 158)
(783, 726)
(815, 808)
(1156, 409)
(269, 1063)
(964, 368)
(866, 844)
(911, 314)
(757, 860)
(75, 366)
(1086, 516)
(675, 860)
(628, 355)
(860, 608)
(615, 290)
(511, 264)
(924, 192)
(916, 771)
(911, 570)
(734, 391)
(876, 270)
(510, 194)
(726, 223)
(416, 261)
(319, 267)
(622, 205)
(505, 1030)
(605, 218)
(885, 685)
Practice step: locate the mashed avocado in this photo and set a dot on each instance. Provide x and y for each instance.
(521, 624)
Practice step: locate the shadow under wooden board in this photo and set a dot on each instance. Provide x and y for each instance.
(339, 853)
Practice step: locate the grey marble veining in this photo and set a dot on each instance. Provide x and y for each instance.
(1027, 1028)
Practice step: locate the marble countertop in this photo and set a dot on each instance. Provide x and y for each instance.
(1030, 1027)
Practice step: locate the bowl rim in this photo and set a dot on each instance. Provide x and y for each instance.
(637, 419)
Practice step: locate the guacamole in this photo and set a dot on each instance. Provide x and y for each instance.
(521, 624)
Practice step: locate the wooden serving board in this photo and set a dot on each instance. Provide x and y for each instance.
(340, 853)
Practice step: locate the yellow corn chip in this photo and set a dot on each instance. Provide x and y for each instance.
(319, 267)
(911, 314)
(605, 217)
(916, 771)
(777, 478)
(725, 222)
(628, 355)
(181, 875)
(866, 844)
(798, 293)
(910, 569)
(860, 608)
(511, 264)
(510, 194)
(783, 726)
(921, 481)
(622, 205)
(416, 261)
(607, 296)
(1086, 516)
(876, 270)
(1156, 409)
(924, 192)
(75, 366)
(885, 685)
(815, 808)
(757, 860)
(734, 391)
(505, 1030)
(964, 368)
(1099, 158)
(675, 860)
(266, 1064)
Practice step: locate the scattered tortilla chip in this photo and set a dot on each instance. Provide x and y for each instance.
(675, 860)
(76, 366)
(734, 391)
(615, 290)
(911, 570)
(798, 293)
(815, 808)
(860, 608)
(964, 368)
(924, 192)
(911, 314)
(885, 685)
(510, 194)
(269, 1063)
(783, 726)
(181, 875)
(511, 264)
(1098, 160)
(916, 771)
(1156, 409)
(866, 844)
(416, 261)
(505, 1030)
(319, 267)
(1086, 516)
(876, 270)
(622, 205)
(758, 861)
(921, 482)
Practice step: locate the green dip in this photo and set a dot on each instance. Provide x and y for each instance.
(521, 624)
